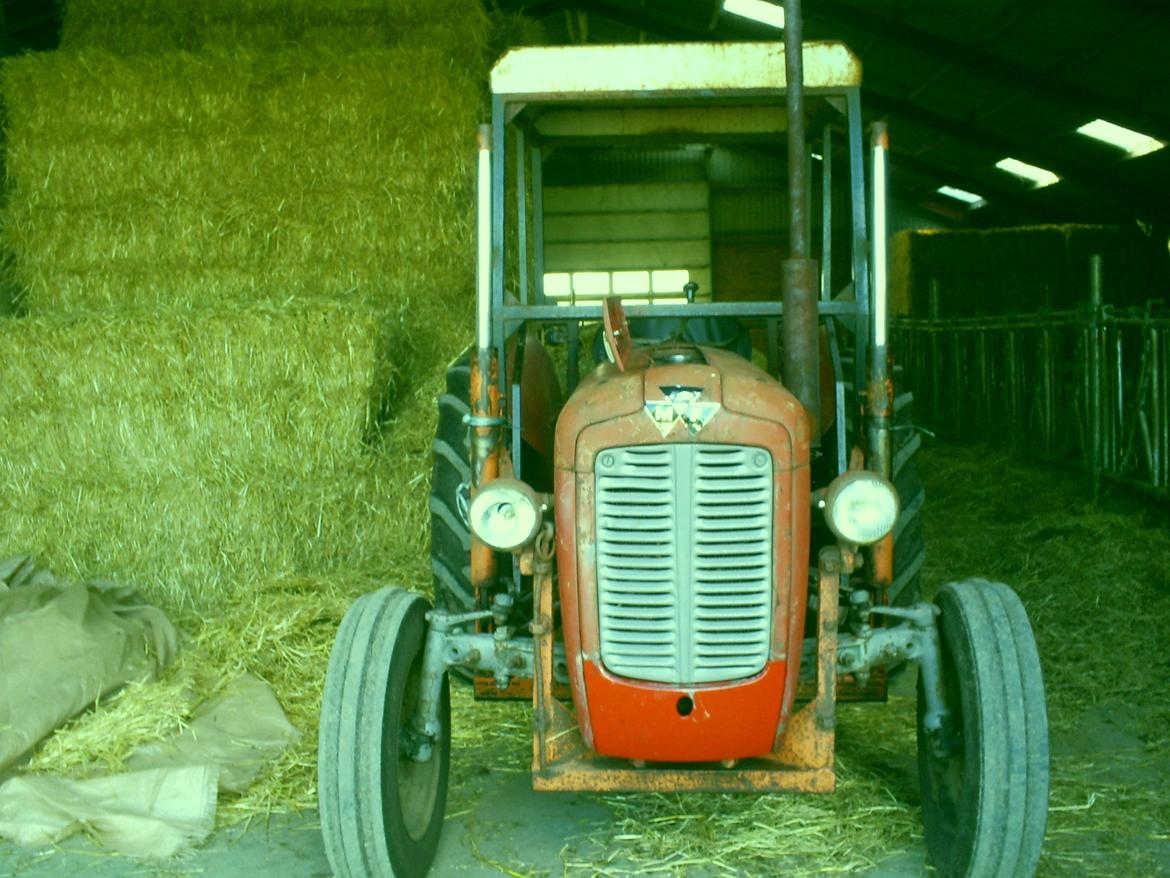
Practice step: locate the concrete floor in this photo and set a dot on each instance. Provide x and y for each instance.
(497, 825)
(512, 831)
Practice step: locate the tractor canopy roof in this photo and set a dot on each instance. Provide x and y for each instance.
(667, 70)
(666, 91)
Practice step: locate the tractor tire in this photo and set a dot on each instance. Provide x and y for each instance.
(450, 487)
(984, 780)
(909, 541)
(381, 812)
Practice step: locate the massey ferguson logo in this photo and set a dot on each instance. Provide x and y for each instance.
(681, 404)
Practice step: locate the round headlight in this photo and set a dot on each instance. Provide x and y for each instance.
(861, 507)
(505, 514)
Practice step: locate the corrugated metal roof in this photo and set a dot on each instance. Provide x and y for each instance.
(965, 84)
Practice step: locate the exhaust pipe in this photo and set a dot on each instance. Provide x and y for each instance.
(800, 364)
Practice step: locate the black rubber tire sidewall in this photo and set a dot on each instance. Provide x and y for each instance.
(450, 535)
(409, 857)
(994, 825)
(379, 641)
(909, 538)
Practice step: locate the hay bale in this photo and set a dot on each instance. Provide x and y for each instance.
(183, 180)
(132, 27)
(1022, 269)
(279, 626)
(264, 253)
(510, 29)
(241, 469)
(194, 456)
(901, 275)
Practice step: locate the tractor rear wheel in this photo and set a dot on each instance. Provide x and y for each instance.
(905, 441)
(450, 493)
(984, 778)
(381, 811)
(909, 544)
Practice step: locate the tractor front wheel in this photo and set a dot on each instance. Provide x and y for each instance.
(984, 777)
(381, 811)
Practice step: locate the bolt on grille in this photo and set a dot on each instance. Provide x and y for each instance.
(684, 561)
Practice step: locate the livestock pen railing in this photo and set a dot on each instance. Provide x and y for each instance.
(1090, 387)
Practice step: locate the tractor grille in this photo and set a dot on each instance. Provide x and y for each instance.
(684, 561)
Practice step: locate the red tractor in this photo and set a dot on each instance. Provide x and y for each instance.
(688, 562)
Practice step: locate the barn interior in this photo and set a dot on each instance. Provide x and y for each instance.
(238, 248)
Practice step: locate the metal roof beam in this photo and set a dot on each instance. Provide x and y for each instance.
(1092, 177)
(996, 196)
(651, 21)
(617, 14)
(1094, 104)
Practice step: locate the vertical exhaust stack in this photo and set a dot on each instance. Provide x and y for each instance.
(879, 393)
(800, 366)
(484, 413)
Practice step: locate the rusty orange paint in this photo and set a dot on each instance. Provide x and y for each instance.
(596, 774)
(540, 396)
(483, 557)
(518, 689)
(883, 563)
(618, 338)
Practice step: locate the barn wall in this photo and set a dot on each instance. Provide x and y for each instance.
(629, 227)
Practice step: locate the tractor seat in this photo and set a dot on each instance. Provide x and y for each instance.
(717, 332)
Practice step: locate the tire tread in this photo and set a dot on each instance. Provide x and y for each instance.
(999, 826)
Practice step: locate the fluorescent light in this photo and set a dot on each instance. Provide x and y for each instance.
(756, 10)
(1133, 142)
(969, 198)
(1040, 177)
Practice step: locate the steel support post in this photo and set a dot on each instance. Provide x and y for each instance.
(935, 355)
(1093, 359)
(484, 421)
(800, 364)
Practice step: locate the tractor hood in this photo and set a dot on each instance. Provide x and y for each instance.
(681, 390)
(682, 520)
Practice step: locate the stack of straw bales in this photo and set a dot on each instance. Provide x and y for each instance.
(203, 180)
(1021, 270)
(134, 26)
(241, 235)
(194, 453)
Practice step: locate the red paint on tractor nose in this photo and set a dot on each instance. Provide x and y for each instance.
(634, 720)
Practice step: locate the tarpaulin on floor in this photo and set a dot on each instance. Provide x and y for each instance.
(64, 645)
(151, 813)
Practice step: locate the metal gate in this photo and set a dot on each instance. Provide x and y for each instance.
(1089, 387)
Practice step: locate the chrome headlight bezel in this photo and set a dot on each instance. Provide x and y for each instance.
(506, 514)
(861, 507)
